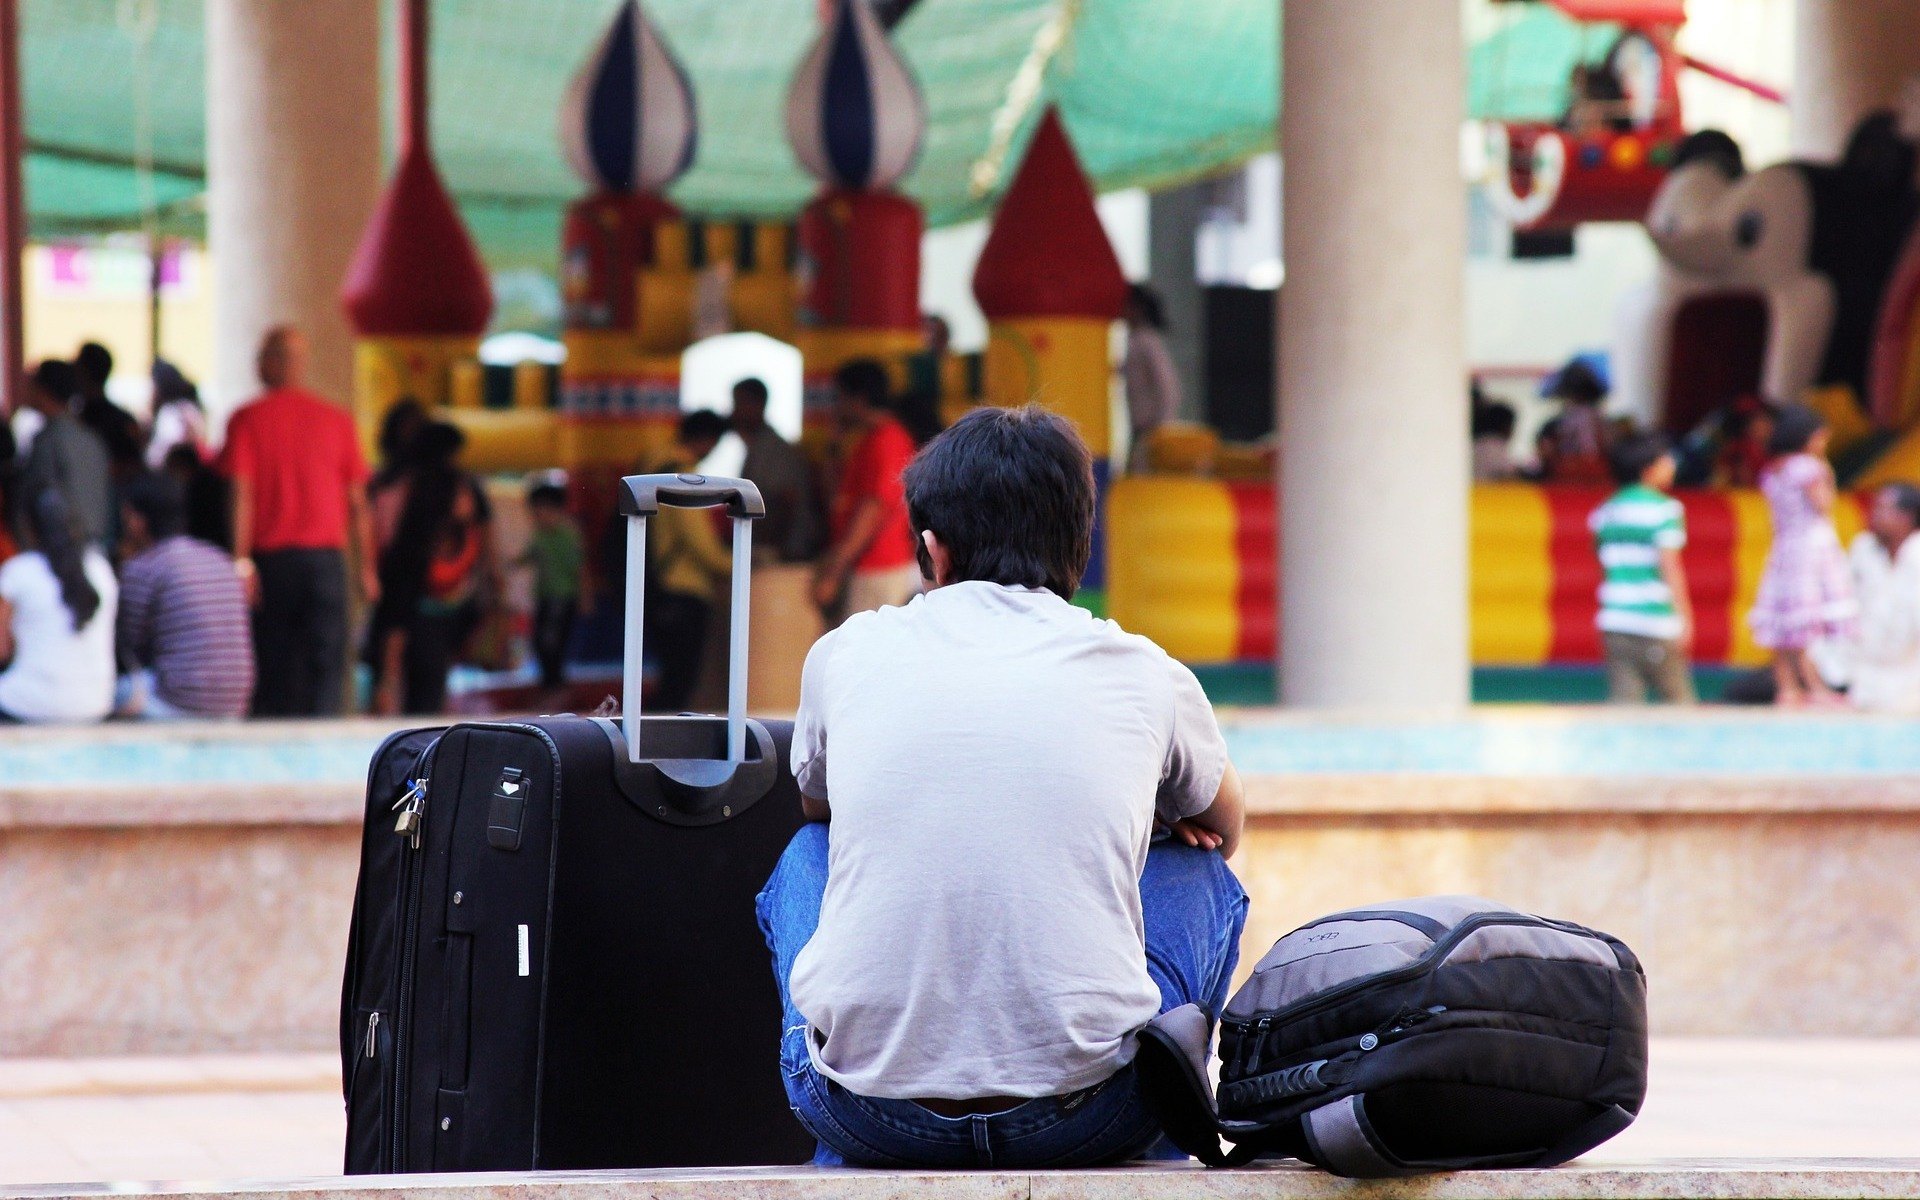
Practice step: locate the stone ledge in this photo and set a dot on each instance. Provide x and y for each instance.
(1270, 798)
(1434, 794)
(122, 1076)
(1680, 1179)
(161, 805)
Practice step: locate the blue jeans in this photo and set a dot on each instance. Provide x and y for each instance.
(1194, 909)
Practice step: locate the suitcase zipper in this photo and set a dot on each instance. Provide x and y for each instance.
(373, 1035)
(412, 808)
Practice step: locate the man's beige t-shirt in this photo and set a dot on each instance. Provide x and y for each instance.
(994, 758)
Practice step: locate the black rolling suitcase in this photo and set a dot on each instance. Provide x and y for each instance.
(554, 961)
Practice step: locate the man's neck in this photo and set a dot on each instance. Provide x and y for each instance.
(1891, 546)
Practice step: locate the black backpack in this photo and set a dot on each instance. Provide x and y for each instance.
(1442, 1034)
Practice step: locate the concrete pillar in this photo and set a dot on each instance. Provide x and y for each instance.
(1849, 58)
(293, 168)
(1373, 415)
(1173, 221)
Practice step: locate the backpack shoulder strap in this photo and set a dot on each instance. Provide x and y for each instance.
(1171, 1065)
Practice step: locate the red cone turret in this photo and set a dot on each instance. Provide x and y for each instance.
(1048, 255)
(416, 272)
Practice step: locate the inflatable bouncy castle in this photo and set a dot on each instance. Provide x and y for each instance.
(855, 120)
(642, 281)
(416, 292)
(1770, 282)
(1051, 288)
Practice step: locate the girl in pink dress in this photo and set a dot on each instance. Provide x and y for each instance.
(1806, 594)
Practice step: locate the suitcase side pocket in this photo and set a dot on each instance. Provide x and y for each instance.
(369, 1085)
(457, 1017)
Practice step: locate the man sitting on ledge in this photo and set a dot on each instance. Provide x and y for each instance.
(966, 952)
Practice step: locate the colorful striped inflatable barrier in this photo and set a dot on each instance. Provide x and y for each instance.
(1193, 564)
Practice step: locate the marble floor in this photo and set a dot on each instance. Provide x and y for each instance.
(278, 1116)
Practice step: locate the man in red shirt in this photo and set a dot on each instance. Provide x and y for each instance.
(870, 563)
(298, 491)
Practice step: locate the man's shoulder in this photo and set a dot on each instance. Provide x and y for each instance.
(193, 552)
(892, 436)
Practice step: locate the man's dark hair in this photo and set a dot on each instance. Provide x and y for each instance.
(95, 363)
(750, 388)
(1906, 498)
(161, 503)
(1009, 492)
(865, 378)
(57, 379)
(1630, 457)
(702, 425)
(546, 494)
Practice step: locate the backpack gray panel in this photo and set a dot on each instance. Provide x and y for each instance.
(1448, 910)
(1532, 941)
(1351, 950)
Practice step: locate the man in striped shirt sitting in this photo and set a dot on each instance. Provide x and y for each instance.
(184, 630)
(1646, 619)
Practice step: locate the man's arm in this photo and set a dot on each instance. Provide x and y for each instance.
(809, 754)
(832, 573)
(1674, 572)
(243, 538)
(134, 619)
(365, 548)
(1219, 825)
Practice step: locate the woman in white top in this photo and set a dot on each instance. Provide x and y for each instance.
(1153, 385)
(57, 601)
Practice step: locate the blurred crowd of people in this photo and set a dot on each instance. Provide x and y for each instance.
(118, 593)
(845, 517)
(1841, 623)
(151, 574)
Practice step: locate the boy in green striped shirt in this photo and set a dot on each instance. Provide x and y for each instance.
(1646, 620)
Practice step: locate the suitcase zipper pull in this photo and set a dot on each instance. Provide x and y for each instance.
(412, 808)
(373, 1030)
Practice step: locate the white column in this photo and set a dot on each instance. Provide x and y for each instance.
(293, 168)
(1849, 58)
(1373, 415)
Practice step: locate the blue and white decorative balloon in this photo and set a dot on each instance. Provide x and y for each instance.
(855, 116)
(628, 122)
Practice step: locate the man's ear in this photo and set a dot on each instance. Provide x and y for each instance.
(936, 563)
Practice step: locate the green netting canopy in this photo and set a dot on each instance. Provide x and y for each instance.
(1523, 71)
(1153, 92)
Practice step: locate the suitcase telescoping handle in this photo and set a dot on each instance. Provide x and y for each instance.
(641, 497)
